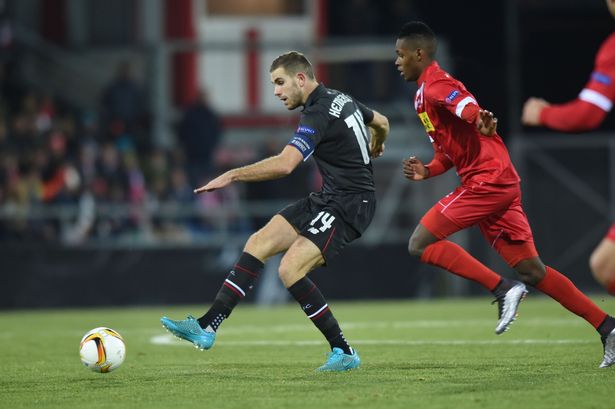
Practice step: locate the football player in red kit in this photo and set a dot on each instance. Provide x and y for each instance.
(585, 113)
(464, 136)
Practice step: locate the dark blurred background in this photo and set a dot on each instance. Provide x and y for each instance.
(112, 111)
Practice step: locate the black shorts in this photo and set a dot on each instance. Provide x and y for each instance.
(331, 221)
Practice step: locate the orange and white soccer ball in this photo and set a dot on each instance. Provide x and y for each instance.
(102, 349)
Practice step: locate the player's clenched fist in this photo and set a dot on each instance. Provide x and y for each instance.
(531, 111)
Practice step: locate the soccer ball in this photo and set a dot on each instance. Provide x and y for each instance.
(102, 349)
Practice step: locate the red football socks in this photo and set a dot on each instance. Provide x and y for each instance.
(451, 257)
(562, 290)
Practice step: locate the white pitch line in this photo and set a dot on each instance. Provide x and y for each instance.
(307, 327)
(168, 339)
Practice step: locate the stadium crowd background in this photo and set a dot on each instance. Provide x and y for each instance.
(53, 153)
(95, 174)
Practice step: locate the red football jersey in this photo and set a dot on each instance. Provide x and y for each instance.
(448, 112)
(595, 100)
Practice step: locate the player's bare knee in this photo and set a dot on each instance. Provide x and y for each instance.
(595, 269)
(600, 278)
(260, 243)
(596, 263)
(254, 241)
(284, 273)
(599, 268)
(288, 274)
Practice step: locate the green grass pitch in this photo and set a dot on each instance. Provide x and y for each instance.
(421, 354)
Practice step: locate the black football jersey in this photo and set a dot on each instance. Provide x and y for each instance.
(332, 129)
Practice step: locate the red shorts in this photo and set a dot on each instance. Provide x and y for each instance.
(497, 211)
(611, 234)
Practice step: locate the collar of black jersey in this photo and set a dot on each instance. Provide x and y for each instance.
(318, 91)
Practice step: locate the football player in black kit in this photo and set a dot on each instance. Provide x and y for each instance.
(342, 135)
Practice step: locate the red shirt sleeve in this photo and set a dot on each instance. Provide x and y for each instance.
(439, 164)
(574, 116)
(589, 109)
(455, 98)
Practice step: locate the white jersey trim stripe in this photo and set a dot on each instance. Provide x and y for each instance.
(319, 311)
(452, 201)
(236, 287)
(496, 238)
(462, 104)
(596, 98)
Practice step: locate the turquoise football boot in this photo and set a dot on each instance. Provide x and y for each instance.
(338, 361)
(190, 330)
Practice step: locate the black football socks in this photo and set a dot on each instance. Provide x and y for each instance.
(315, 307)
(607, 326)
(502, 288)
(238, 283)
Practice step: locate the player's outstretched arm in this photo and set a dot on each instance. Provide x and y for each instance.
(271, 168)
(414, 169)
(575, 116)
(379, 129)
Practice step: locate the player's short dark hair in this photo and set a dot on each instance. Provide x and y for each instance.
(293, 62)
(420, 33)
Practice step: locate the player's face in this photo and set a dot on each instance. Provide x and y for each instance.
(286, 88)
(611, 5)
(407, 62)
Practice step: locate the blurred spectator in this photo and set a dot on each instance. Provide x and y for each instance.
(6, 31)
(221, 210)
(157, 174)
(135, 178)
(79, 231)
(69, 181)
(86, 162)
(110, 168)
(51, 162)
(180, 189)
(199, 133)
(123, 103)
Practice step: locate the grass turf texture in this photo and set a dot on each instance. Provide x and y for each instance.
(432, 354)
